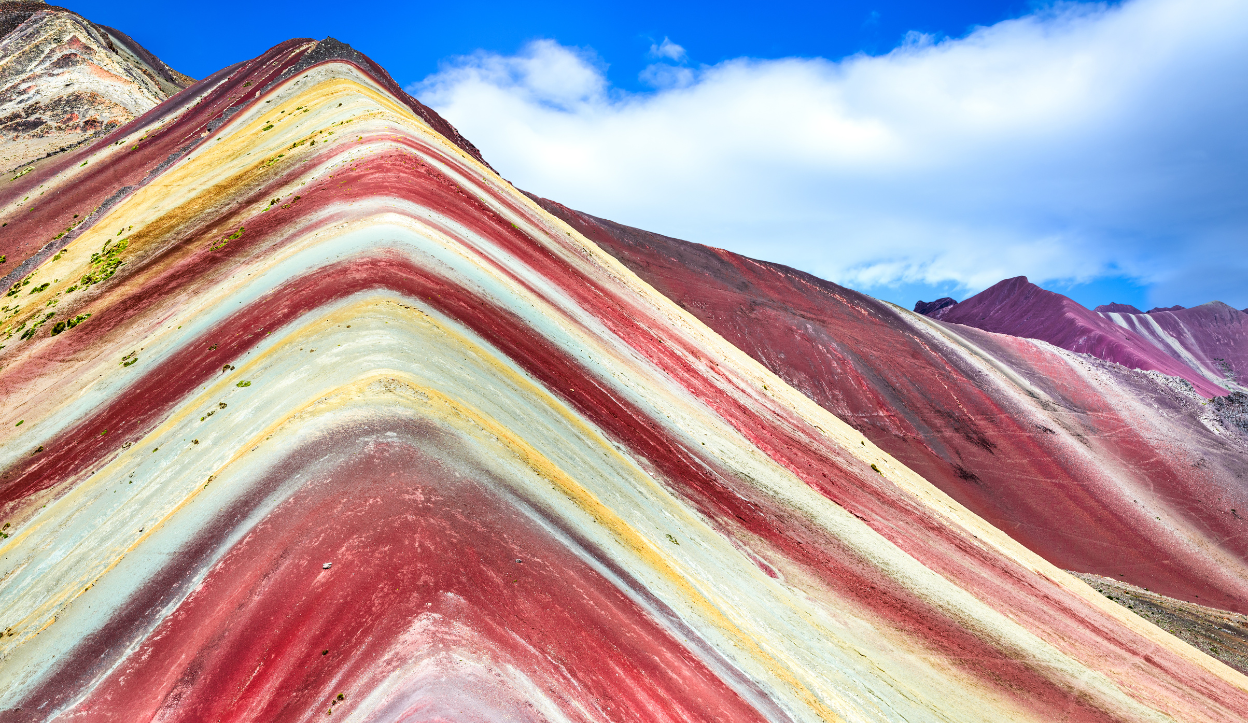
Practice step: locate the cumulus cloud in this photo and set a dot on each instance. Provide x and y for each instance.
(1081, 141)
(664, 76)
(667, 49)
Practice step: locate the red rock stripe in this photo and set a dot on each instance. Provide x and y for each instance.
(411, 538)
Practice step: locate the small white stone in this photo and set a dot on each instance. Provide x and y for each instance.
(326, 566)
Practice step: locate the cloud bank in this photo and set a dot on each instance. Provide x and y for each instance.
(1076, 143)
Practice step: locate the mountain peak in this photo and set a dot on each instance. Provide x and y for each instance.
(66, 80)
(1020, 308)
(934, 308)
(1116, 308)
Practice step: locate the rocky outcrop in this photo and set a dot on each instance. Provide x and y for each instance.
(934, 309)
(1232, 410)
(1117, 308)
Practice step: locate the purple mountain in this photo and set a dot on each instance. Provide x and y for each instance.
(1212, 339)
(1020, 308)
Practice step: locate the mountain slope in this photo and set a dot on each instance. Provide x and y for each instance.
(311, 412)
(64, 79)
(1211, 339)
(1020, 308)
(1049, 446)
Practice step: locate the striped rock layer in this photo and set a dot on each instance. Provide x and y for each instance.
(321, 416)
(1211, 338)
(64, 80)
(1096, 467)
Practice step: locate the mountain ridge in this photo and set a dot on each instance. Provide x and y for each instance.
(305, 403)
(1019, 308)
(990, 445)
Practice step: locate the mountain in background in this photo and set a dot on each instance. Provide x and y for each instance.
(306, 412)
(64, 80)
(1206, 345)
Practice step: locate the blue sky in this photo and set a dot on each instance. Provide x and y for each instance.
(409, 39)
(906, 149)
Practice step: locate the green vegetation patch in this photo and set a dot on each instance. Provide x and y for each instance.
(69, 323)
(232, 237)
(34, 327)
(18, 286)
(105, 263)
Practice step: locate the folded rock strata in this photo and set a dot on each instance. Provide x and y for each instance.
(290, 316)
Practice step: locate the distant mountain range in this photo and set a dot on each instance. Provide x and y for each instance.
(1206, 345)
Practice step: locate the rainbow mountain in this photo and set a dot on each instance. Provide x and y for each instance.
(309, 413)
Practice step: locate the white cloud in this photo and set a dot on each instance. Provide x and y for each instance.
(664, 76)
(1069, 144)
(667, 49)
(545, 76)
